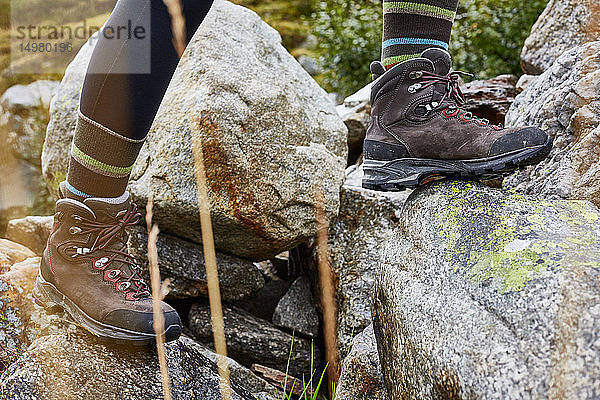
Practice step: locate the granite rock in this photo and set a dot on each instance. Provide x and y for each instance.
(254, 341)
(296, 310)
(490, 98)
(565, 102)
(36, 94)
(74, 365)
(562, 25)
(486, 294)
(182, 262)
(355, 111)
(366, 219)
(361, 377)
(31, 231)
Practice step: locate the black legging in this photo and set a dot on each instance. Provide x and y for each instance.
(127, 103)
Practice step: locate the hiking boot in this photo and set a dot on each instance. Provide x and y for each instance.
(418, 132)
(87, 271)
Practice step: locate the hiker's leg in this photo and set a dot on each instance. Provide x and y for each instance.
(117, 109)
(86, 268)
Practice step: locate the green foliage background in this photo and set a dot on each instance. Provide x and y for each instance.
(486, 39)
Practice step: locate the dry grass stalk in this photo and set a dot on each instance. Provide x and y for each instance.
(328, 300)
(177, 25)
(157, 296)
(212, 274)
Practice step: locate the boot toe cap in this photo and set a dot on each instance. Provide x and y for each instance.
(519, 139)
(142, 321)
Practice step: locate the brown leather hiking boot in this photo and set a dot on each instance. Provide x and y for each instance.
(419, 133)
(86, 271)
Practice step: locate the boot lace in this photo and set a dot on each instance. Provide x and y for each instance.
(453, 94)
(107, 234)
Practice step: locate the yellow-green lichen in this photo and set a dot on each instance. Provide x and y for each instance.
(514, 240)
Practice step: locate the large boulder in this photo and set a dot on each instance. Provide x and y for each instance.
(565, 102)
(269, 134)
(562, 25)
(485, 294)
(366, 219)
(361, 377)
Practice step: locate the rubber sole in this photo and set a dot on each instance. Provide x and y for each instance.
(403, 173)
(48, 296)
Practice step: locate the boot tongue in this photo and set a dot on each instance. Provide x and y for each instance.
(440, 58)
(441, 63)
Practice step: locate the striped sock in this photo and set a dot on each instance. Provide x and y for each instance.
(101, 160)
(409, 27)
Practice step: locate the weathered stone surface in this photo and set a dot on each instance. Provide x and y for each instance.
(355, 111)
(524, 81)
(484, 294)
(490, 98)
(269, 135)
(256, 385)
(562, 25)
(182, 262)
(251, 340)
(296, 310)
(31, 231)
(74, 365)
(12, 253)
(366, 218)
(361, 377)
(565, 102)
(16, 309)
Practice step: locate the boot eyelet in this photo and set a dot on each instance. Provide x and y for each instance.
(112, 274)
(123, 286)
(74, 230)
(76, 217)
(100, 263)
(415, 74)
(414, 88)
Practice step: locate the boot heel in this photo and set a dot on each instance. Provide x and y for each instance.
(43, 297)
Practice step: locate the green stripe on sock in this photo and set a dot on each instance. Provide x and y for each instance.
(405, 6)
(393, 60)
(98, 165)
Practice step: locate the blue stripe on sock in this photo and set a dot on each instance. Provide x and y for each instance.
(75, 191)
(392, 42)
